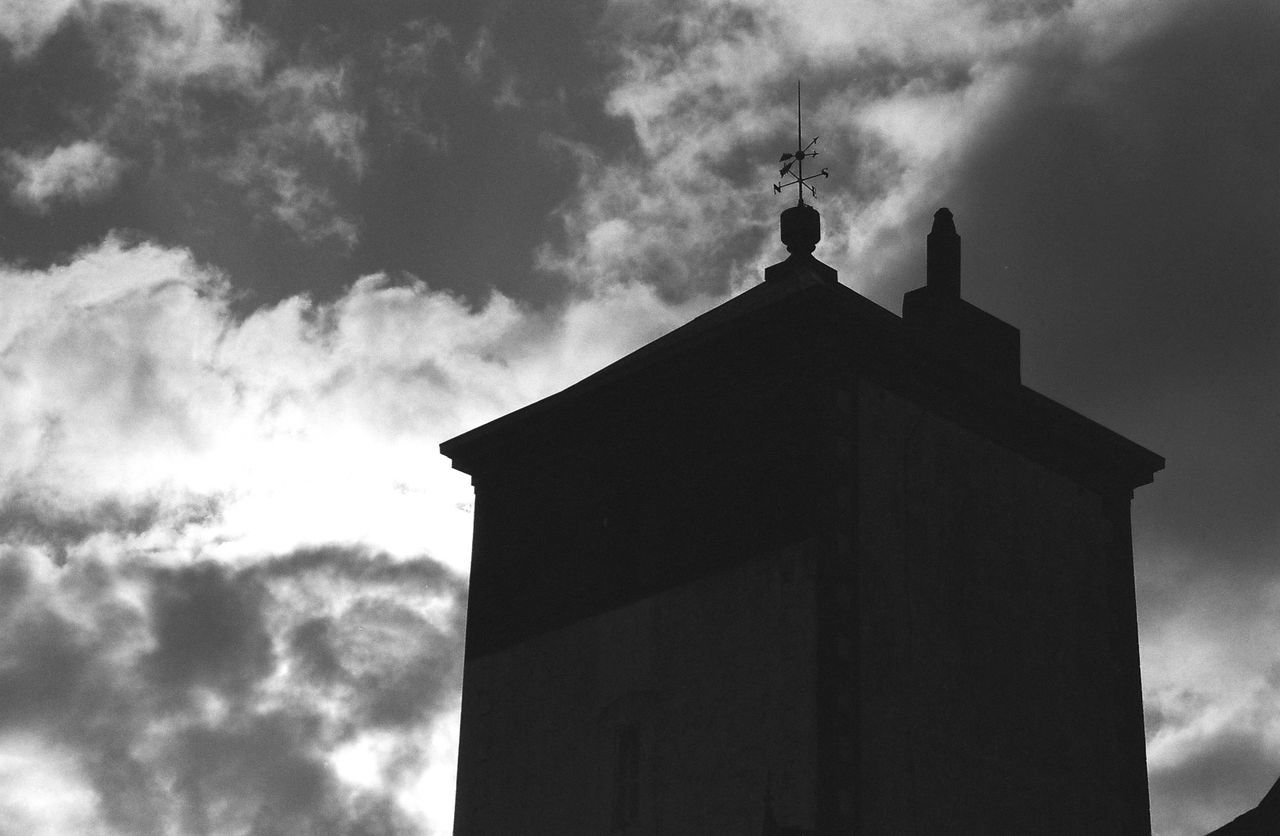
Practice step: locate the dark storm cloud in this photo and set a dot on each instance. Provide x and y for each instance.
(399, 667)
(177, 707)
(57, 678)
(1121, 212)
(312, 644)
(468, 111)
(297, 146)
(358, 564)
(405, 687)
(1019, 9)
(1120, 209)
(266, 771)
(209, 630)
(47, 661)
(38, 520)
(218, 150)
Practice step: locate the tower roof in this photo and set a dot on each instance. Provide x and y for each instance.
(916, 357)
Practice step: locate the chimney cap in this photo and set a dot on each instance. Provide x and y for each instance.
(943, 221)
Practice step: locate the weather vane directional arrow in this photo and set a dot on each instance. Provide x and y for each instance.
(793, 163)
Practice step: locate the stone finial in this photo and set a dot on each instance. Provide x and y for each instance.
(801, 229)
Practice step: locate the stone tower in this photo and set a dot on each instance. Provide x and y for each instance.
(804, 566)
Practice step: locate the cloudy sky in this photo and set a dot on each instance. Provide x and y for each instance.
(258, 258)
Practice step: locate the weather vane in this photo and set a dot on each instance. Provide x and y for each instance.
(797, 159)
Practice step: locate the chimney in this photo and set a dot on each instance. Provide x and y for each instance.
(942, 270)
(954, 330)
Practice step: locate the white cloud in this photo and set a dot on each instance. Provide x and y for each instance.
(311, 423)
(1212, 694)
(195, 38)
(409, 64)
(479, 57)
(289, 137)
(25, 24)
(898, 92)
(128, 382)
(81, 172)
(304, 136)
(150, 699)
(43, 792)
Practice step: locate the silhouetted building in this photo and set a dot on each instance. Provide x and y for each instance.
(803, 566)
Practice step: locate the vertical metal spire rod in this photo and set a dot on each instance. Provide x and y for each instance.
(796, 159)
(800, 144)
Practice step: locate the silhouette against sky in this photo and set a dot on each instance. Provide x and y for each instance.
(260, 258)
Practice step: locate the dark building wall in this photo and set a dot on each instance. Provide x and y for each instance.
(679, 474)
(716, 675)
(998, 649)
(951, 648)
